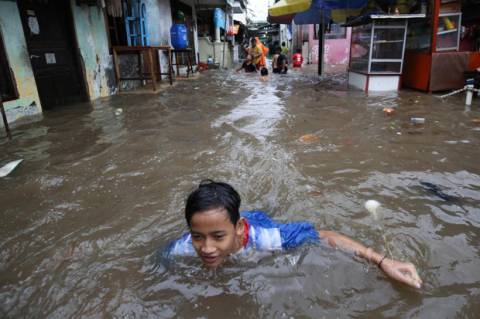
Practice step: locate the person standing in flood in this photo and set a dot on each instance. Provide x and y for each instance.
(284, 49)
(297, 59)
(263, 58)
(255, 52)
(279, 62)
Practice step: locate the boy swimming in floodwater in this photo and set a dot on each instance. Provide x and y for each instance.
(264, 74)
(218, 231)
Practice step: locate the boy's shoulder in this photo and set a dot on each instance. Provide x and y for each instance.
(265, 234)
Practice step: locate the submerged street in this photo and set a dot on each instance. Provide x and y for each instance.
(103, 184)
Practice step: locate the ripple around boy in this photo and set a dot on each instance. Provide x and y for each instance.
(218, 231)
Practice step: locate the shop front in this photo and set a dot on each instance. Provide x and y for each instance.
(377, 51)
(442, 49)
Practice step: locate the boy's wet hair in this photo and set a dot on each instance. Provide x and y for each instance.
(213, 195)
(264, 72)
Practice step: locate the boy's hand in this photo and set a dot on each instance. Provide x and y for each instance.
(402, 272)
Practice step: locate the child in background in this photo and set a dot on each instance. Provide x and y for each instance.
(297, 59)
(279, 62)
(263, 74)
(248, 66)
(284, 49)
(218, 231)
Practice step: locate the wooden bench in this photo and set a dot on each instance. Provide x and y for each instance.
(188, 52)
(149, 67)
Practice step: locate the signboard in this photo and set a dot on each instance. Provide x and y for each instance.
(50, 58)
(219, 18)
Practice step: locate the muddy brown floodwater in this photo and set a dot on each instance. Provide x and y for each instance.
(100, 189)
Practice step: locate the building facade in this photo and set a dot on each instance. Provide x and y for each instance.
(60, 51)
(336, 47)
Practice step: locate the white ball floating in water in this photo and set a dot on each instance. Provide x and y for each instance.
(372, 205)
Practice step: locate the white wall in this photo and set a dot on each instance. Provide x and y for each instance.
(206, 48)
(159, 21)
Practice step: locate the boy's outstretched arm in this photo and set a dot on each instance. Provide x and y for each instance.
(400, 271)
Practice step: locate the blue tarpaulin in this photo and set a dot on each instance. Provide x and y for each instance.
(336, 10)
(333, 10)
(219, 18)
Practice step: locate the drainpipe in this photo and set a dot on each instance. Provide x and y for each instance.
(225, 40)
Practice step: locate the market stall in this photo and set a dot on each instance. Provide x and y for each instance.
(377, 51)
(444, 47)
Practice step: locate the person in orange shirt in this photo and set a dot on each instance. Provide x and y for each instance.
(256, 53)
(262, 62)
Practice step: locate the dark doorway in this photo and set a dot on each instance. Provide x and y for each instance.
(176, 6)
(48, 28)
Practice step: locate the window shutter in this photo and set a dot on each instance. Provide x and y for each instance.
(135, 22)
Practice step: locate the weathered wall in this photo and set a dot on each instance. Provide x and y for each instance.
(159, 21)
(92, 40)
(336, 51)
(16, 47)
(207, 47)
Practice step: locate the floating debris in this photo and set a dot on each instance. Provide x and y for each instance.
(417, 120)
(308, 138)
(118, 111)
(437, 191)
(316, 193)
(388, 110)
(9, 167)
(372, 205)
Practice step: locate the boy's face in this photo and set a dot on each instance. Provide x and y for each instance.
(214, 237)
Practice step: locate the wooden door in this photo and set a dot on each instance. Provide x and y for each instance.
(48, 29)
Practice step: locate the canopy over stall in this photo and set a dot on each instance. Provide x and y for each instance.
(315, 12)
(311, 11)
